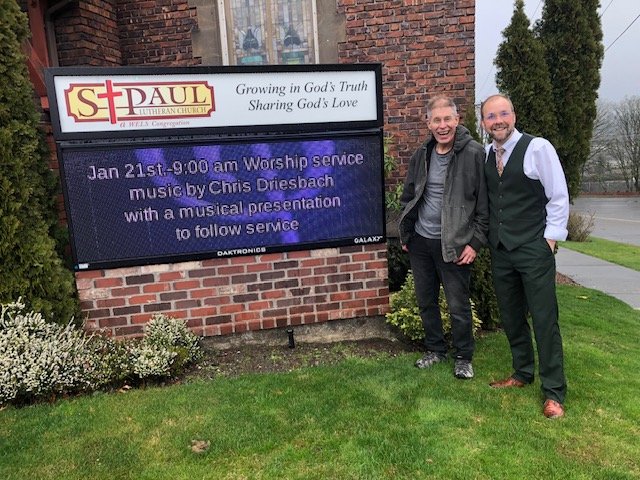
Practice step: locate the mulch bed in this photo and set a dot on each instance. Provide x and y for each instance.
(564, 280)
(258, 358)
(280, 358)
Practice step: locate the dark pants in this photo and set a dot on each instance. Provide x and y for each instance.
(525, 282)
(429, 271)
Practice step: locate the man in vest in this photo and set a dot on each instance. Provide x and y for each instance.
(528, 213)
(443, 224)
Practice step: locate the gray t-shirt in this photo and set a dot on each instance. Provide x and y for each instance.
(430, 213)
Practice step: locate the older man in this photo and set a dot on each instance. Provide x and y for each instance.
(442, 226)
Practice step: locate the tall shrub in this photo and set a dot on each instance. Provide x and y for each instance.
(481, 289)
(470, 121)
(571, 33)
(29, 265)
(523, 75)
(482, 292)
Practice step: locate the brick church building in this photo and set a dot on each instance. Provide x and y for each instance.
(424, 47)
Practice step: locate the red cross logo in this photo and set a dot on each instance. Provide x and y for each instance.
(110, 95)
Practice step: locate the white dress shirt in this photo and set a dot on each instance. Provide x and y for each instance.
(541, 163)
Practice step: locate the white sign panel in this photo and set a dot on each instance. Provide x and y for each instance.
(132, 102)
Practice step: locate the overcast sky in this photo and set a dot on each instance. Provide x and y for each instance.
(620, 73)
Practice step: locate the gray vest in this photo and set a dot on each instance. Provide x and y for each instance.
(517, 213)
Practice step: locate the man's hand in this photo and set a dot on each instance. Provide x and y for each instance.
(552, 244)
(467, 256)
(405, 248)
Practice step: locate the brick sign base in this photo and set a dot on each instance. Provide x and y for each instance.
(232, 295)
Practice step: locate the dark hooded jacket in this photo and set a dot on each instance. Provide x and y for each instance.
(465, 207)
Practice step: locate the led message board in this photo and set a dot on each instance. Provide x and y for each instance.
(176, 163)
(162, 201)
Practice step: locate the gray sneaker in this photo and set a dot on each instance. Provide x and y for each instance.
(430, 359)
(462, 369)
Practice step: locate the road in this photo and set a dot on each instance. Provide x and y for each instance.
(615, 218)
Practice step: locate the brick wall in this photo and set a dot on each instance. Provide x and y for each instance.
(425, 47)
(157, 32)
(126, 32)
(240, 294)
(87, 34)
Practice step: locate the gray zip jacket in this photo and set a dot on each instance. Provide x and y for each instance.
(465, 207)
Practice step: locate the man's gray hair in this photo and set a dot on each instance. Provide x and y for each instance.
(440, 101)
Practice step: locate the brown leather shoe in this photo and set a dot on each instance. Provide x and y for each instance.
(507, 383)
(552, 409)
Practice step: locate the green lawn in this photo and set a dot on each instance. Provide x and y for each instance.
(360, 419)
(614, 252)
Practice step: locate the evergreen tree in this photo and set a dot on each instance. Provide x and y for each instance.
(29, 265)
(471, 122)
(571, 33)
(522, 74)
(481, 288)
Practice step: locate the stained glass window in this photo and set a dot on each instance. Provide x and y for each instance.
(260, 32)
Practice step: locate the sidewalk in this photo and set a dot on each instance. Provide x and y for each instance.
(614, 280)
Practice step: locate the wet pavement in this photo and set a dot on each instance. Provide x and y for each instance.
(617, 219)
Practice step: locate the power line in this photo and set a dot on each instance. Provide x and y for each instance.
(605, 8)
(481, 89)
(536, 10)
(623, 32)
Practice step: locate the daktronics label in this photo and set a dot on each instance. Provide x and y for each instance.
(114, 102)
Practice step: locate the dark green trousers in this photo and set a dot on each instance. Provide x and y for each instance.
(525, 282)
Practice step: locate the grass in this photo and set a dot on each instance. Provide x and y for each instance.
(614, 252)
(361, 419)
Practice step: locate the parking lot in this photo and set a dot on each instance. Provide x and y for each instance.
(615, 218)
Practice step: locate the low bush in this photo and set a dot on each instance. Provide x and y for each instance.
(45, 360)
(481, 289)
(580, 226)
(405, 314)
(39, 358)
(167, 347)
